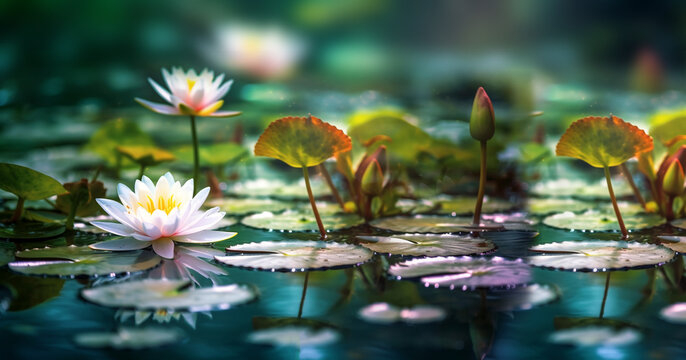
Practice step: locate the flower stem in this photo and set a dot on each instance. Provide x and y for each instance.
(482, 186)
(630, 179)
(625, 234)
(141, 172)
(322, 231)
(196, 158)
(18, 210)
(607, 287)
(334, 191)
(302, 297)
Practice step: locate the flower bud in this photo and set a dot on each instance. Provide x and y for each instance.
(673, 182)
(482, 122)
(372, 179)
(646, 165)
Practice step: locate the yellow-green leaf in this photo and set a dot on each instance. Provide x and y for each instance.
(301, 141)
(117, 132)
(603, 141)
(213, 155)
(147, 155)
(27, 183)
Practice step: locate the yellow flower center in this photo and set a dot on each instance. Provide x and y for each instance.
(191, 83)
(166, 205)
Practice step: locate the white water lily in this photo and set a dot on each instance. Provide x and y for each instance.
(190, 94)
(159, 215)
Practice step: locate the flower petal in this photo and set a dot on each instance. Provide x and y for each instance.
(210, 109)
(159, 108)
(224, 114)
(160, 90)
(164, 247)
(114, 228)
(121, 244)
(117, 211)
(205, 237)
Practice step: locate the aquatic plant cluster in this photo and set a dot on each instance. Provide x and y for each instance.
(161, 250)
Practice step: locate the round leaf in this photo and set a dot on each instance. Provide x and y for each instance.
(31, 230)
(247, 205)
(301, 221)
(27, 183)
(301, 141)
(434, 224)
(147, 155)
(603, 141)
(427, 245)
(295, 255)
(601, 221)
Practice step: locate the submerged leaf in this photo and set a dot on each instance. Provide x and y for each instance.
(597, 255)
(130, 338)
(301, 141)
(603, 141)
(295, 255)
(27, 183)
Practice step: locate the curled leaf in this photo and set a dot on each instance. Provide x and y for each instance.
(603, 141)
(301, 141)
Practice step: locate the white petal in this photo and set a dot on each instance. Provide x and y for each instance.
(126, 196)
(221, 91)
(160, 90)
(146, 180)
(159, 108)
(196, 96)
(168, 78)
(141, 237)
(205, 237)
(117, 211)
(205, 222)
(171, 223)
(164, 247)
(122, 244)
(114, 228)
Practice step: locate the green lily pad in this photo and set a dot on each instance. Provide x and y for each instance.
(278, 189)
(72, 261)
(464, 205)
(301, 141)
(294, 336)
(300, 221)
(463, 272)
(432, 224)
(427, 245)
(408, 206)
(44, 216)
(295, 255)
(384, 313)
(324, 207)
(130, 338)
(597, 255)
(173, 295)
(118, 132)
(213, 155)
(248, 205)
(27, 183)
(31, 230)
(581, 189)
(679, 223)
(601, 221)
(603, 141)
(547, 206)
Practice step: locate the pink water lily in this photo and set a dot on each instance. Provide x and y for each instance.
(190, 94)
(159, 215)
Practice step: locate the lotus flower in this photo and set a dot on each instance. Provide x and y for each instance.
(159, 215)
(190, 94)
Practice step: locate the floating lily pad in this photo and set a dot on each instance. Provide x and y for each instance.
(301, 141)
(295, 255)
(28, 183)
(300, 221)
(601, 221)
(31, 230)
(427, 245)
(675, 313)
(115, 133)
(603, 141)
(146, 155)
(431, 224)
(525, 297)
(679, 223)
(130, 338)
(178, 295)
(676, 243)
(384, 313)
(599, 255)
(248, 205)
(464, 272)
(555, 205)
(596, 335)
(71, 261)
(324, 207)
(581, 189)
(408, 206)
(278, 189)
(296, 336)
(463, 205)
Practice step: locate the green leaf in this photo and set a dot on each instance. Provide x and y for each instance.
(30, 291)
(117, 132)
(27, 183)
(213, 155)
(666, 124)
(145, 155)
(31, 230)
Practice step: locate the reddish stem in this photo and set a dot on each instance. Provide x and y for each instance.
(625, 234)
(306, 175)
(334, 191)
(630, 179)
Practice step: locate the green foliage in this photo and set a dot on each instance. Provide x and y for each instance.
(27, 183)
(117, 132)
(213, 155)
